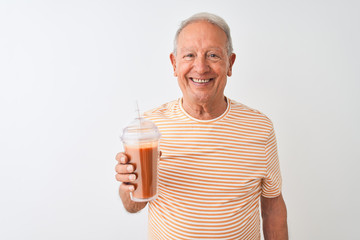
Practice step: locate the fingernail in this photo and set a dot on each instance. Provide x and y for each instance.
(122, 159)
(131, 188)
(129, 168)
(132, 177)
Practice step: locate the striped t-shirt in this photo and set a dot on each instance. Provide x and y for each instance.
(212, 173)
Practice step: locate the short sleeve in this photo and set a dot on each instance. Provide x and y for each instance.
(271, 183)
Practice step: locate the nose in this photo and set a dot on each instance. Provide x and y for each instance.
(201, 65)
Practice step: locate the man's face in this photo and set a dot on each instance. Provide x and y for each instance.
(202, 63)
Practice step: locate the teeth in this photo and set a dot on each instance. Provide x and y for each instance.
(200, 80)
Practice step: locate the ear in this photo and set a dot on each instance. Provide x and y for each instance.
(231, 63)
(173, 63)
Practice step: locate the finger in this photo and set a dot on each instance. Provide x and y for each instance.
(125, 187)
(124, 168)
(126, 178)
(121, 158)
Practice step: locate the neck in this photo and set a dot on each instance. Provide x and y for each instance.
(205, 111)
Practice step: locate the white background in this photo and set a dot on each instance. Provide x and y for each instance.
(71, 70)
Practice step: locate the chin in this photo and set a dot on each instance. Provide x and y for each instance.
(203, 98)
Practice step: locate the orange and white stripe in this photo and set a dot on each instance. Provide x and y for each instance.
(212, 173)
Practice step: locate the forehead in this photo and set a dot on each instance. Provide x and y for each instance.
(202, 34)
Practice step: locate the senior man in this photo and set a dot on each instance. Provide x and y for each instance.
(219, 157)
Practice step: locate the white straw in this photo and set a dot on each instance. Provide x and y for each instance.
(137, 108)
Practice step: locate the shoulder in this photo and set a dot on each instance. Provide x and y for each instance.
(163, 111)
(244, 112)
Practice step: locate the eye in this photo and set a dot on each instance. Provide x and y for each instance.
(213, 56)
(188, 56)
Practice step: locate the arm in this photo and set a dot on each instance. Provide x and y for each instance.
(125, 175)
(274, 215)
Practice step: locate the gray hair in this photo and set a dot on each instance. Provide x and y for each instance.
(211, 18)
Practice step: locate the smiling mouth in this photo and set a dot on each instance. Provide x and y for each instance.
(198, 80)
